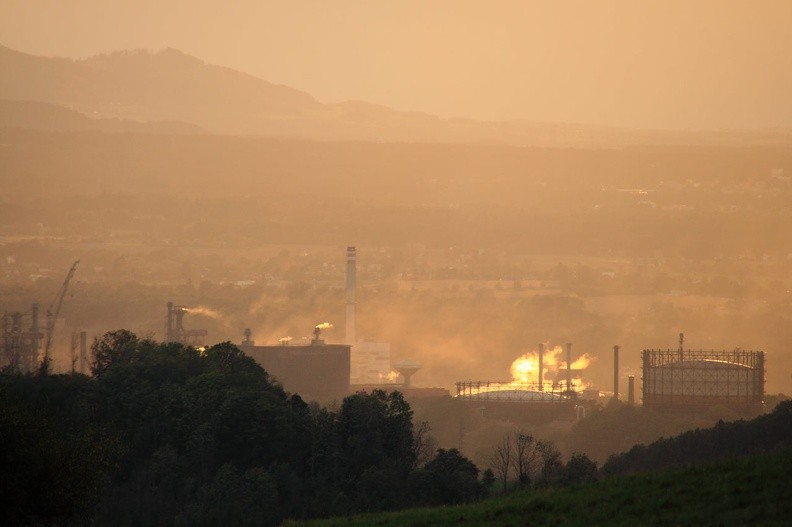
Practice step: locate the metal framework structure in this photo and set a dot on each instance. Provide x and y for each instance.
(175, 330)
(55, 308)
(500, 391)
(19, 342)
(695, 378)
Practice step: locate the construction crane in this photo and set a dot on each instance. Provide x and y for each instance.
(54, 310)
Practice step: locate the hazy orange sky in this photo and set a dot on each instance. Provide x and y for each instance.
(648, 64)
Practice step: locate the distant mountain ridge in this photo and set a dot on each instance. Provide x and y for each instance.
(53, 118)
(171, 86)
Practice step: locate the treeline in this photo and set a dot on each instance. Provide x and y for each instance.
(166, 434)
(753, 490)
(522, 461)
(766, 433)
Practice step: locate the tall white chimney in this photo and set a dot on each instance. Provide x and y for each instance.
(351, 284)
(616, 372)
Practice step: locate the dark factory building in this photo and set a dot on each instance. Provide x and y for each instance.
(317, 371)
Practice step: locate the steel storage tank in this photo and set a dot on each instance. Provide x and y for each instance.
(518, 402)
(692, 379)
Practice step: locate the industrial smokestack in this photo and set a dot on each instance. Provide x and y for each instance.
(248, 340)
(616, 372)
(631, 389)
(169, 324)
(75, 342)
(681, 344)
(36, 328)
(569, 366)
(83, 351)
(351, 284)
(541, 365)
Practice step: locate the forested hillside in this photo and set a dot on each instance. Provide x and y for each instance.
(165, 434)
(750, 491)
(765, 433)
(732, 474)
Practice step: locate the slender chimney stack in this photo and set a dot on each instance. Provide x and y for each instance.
(541, 366)
(75, 343)
(36, 328)
(569, 366)
(631, 389)
(616, 372)
(351, 284)
(169, 337)
(83, 351)
(681, 344)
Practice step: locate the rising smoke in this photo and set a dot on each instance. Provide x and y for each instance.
(525, 369)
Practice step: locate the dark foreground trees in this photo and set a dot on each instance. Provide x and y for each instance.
(56, 451)
(166, 434)
(522, 459)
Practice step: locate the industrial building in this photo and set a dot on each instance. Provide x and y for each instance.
(175, 330)
(370, 360)
(527, 402)
(318, 371)
(26, 345)
(406, 369)
(21, 340)
(691, 379)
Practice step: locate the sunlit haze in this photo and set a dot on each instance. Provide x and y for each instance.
(269, 262)
(676, 64)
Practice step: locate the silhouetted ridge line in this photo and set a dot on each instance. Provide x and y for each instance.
(763, 434)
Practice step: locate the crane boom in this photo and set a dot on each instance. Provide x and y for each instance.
(54, 309)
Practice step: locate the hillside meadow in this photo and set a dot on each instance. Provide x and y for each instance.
(748, 491)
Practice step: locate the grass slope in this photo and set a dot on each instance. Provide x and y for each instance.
(749, 491)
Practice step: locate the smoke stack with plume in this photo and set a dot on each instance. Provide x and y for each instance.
(284, 341)
(526, 369)
(318, 340)
(205, 311)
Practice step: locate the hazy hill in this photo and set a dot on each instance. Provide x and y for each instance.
(170, 85)
(751, 491)
(50, 117)
(714, 488)
(763, 434)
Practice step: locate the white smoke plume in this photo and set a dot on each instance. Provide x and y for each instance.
(205, 311)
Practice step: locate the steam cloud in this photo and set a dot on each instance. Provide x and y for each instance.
(205, 311)
(525, 369)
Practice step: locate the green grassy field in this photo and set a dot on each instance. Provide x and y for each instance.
(748, 491)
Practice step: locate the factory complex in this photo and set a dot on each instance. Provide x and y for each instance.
(546, 383)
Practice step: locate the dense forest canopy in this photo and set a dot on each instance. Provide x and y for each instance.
(169, 434)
